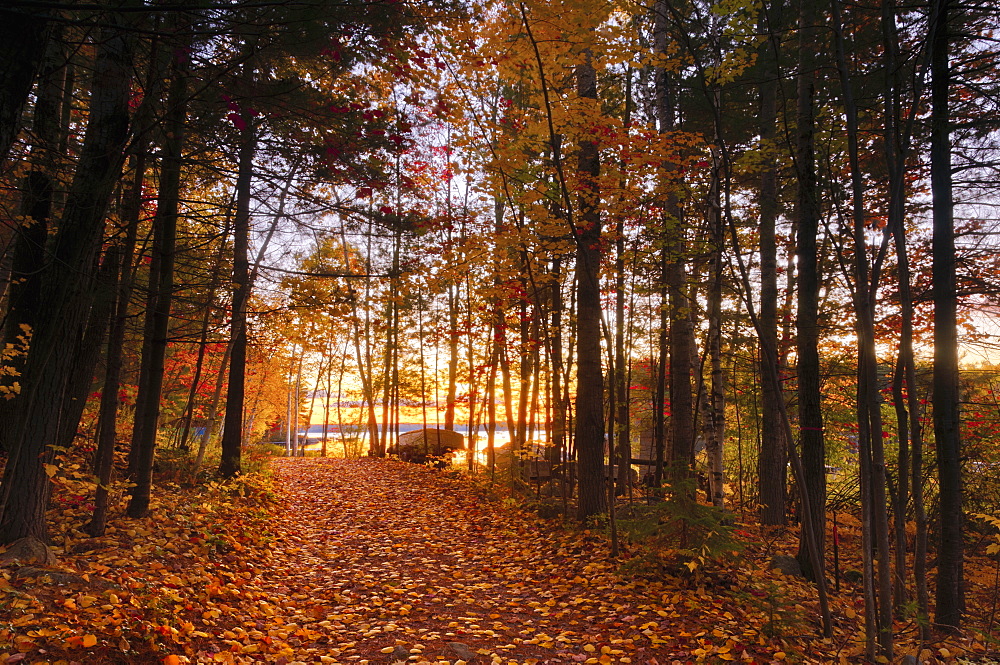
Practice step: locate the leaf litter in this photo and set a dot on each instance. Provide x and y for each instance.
(375, 561)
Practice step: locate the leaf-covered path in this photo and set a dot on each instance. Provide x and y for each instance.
(378, 561)
(384, 561)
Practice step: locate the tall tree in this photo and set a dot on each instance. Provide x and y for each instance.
(680, 329)
(161, 282)
(808, 211)
(590, 376)
(232, 432)
(68, 286)
(772, 464)
(28, 256)
(897, 140)
(878, 583)
(950, 600)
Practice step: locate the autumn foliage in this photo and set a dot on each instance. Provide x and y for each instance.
(337, 561)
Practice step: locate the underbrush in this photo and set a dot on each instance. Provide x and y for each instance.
(677, 534)
(175, 465)
(129, 596)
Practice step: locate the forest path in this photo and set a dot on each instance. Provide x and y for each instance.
(386, 561)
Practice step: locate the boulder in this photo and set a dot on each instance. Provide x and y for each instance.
(463, 651)
(422, 445)
(27, 551)
(787, 565)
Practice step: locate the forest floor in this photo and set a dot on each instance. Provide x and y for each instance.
(375, 561)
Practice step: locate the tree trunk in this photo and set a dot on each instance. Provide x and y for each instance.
(590, 378)
(525, 370)
(23, 39)
(364, 358)
(895, 168)
(88, 345)
(619, 434)
(131, 210)
(199, 366)
(491, 410)
(772, 467)
(716, 425)
(681, 332)
(807, 322)
(659, 369)
(950, 600)
(559, 443)
(878, 587)
(161, 285)
(28, 260)
(68, 289)
(471, 356)
(453, 300)
(107, 424)
(211, 427)
(232, 434)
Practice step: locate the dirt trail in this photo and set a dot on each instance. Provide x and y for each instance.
(373, 557)
(376, 561)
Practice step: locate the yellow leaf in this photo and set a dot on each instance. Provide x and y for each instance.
(851, 614)
(89, 641)
(944, 653)
(51, 469)
(171, 660)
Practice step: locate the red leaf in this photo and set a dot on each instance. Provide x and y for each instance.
(238, 121)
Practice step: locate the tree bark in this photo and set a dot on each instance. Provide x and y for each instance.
(68, 288)
(232, 434)
(590, 377)
(23, 41)
(108, 410)
(772, 469)
(807, 322)
(715, 427)
(950, 599)
(161, 286)
(199, 367)
(453, 300)
(28, 262)
(878, 583)
(904, 386)
(559, 443)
